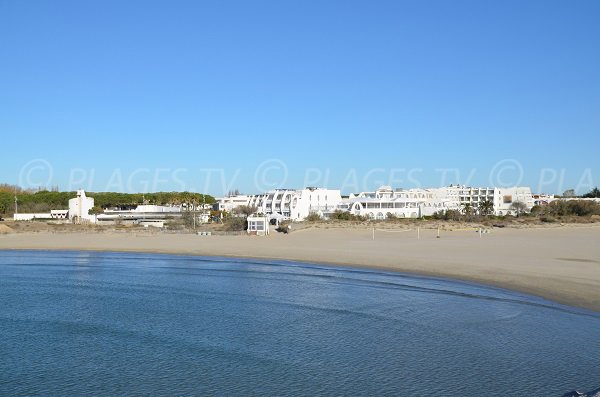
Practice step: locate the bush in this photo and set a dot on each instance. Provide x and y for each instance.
(345, 216)
(313, 217)
(282, 229)
(235, 224)
(573, 207)
(448, 215)
(452, 215)
(538, 210)
(439, 215)
(583, 208)
(390, 217)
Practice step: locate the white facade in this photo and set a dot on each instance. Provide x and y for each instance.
(59, 214)
(79, 208)
(152, 222)
(140, 213)
(147, 208)
(78, 211)
(415, 203)
(296, 204)
(230, 203)
(258, 225)
(543, 199)
(502, 198)
(505, 197)
(411, 203)
(31, 217)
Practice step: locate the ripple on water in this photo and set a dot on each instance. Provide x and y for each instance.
(112, 323)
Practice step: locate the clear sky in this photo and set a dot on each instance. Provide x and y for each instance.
(214, 96)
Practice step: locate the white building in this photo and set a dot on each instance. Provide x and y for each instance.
(415, 203)
(59, 214)
(229, 203)
(80, 207)
(31, 217)
(78, 211)
(141, 214)
(505, 197)
(258, 225)
(296, 204)
(502, 198)
(543, 199)
(411, 203)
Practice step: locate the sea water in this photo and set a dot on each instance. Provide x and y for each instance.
(85, 323)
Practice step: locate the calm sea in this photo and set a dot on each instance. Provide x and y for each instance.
(83, 323)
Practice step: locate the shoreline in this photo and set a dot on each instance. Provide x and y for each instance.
(559, 264)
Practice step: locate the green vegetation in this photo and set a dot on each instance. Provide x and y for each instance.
(450, 215)
(579, 208)
(485, 207)
(346, 216)
(245, 210)
(42, 201)
(235, 224)
(313, 217)
(594, 193)
(518, 207)
(467, 209)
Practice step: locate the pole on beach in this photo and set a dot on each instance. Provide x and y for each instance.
(438, 235)
(479, 232)
(373, 233)
(418, 233)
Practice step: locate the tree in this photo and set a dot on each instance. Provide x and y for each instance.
(486, 207)
(245, 210)
(467, 209)
(96, 210)
(594, 193)
(519, 207)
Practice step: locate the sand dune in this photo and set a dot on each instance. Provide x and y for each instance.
(561, 264)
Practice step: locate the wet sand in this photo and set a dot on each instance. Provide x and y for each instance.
(560, 264)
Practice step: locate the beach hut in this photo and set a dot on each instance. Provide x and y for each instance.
(258, 225)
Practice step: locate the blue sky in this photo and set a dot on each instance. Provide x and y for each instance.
(250, 95)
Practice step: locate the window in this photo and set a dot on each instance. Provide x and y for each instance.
(256, 226)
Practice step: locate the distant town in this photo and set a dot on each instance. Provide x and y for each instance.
(293, 205)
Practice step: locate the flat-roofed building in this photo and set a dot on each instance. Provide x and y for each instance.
(415, 203)
(297, 204)
(230, 203)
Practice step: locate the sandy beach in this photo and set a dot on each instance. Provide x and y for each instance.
(560, 264)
